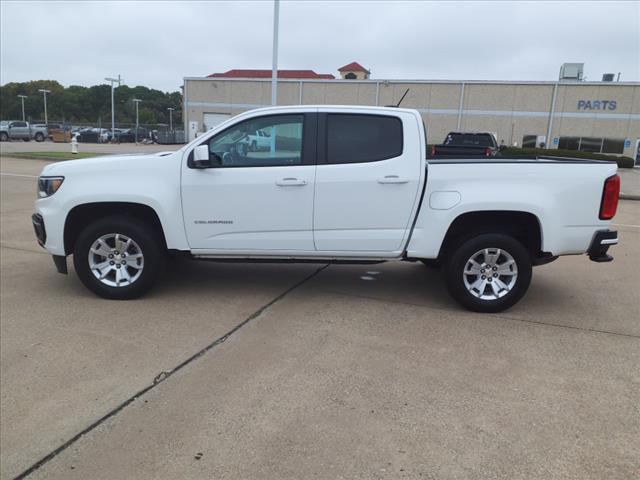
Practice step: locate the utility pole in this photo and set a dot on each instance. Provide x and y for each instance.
(44, 92)
(113, 124)
(274, 69)
(22, 97)
(170, 119)
(137, 101)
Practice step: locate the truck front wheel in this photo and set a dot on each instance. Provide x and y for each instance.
(3, 137)
(118, 258)
(488, 273)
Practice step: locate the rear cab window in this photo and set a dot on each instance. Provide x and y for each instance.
(360, 138)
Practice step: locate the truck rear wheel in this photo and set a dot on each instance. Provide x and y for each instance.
(118, 258)
(39, 137)
(488, 273)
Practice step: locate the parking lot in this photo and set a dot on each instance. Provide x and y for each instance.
(312, 371)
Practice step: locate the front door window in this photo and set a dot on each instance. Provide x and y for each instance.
(270, 141)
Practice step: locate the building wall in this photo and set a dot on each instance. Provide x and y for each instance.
(511, 110)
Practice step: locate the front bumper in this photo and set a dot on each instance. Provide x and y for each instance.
(38, 228)
(60, 261)
(601, 242)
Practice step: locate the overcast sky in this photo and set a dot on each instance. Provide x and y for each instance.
(157, 43)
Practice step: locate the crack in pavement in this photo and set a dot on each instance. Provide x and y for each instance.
(23, 249)
(164, 376)
(492, 316)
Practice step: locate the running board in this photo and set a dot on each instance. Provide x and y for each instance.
(334, 261)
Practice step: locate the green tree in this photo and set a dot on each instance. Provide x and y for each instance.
(77, 104)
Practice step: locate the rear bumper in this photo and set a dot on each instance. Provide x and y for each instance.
(601, 242)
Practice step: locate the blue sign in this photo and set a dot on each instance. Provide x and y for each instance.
(555, 140)
(627, 143)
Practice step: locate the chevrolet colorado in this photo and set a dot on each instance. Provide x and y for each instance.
(337, 184)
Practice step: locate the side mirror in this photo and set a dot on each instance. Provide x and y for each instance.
(201, 157)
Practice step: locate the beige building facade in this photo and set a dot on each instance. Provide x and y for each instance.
(590, 116)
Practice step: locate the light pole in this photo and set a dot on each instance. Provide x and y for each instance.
(44, 93)
(113, 124)
(136, 101)
(170, 119)
(274, 68)
(22, 97)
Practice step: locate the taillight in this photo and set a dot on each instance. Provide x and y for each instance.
(610, 194)
(433, 151)
(487, 152)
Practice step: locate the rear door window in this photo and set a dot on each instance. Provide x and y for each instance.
(359, 138)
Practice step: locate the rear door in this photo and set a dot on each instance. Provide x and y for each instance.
(370, 169)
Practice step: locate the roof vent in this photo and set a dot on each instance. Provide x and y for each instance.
(571, 72)
(608, 77)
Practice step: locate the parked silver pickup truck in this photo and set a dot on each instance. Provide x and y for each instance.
(18, 130)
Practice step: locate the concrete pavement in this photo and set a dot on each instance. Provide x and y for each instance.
(341, 372)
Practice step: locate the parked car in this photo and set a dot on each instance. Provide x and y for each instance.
(142, 133)
(107, 135)
(341, 184)
(125, 135)
(259, 140)
(463, 143)
(18, 130)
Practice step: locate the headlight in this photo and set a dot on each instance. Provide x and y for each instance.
(47, 186)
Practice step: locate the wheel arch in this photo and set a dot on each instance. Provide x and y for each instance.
(523, 226)
(83, 214)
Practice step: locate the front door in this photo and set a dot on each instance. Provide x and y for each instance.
(367, 181)
(258, 200)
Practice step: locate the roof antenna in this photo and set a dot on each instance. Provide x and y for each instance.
(405, 94)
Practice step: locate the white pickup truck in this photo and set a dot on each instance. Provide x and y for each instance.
(338, 184)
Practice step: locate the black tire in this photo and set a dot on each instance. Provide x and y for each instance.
(3, 137)
(145, 237)
(39, 137)
(461, 255)
(26, 139)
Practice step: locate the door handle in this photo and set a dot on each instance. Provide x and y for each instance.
(393, 179)
(291, 182)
